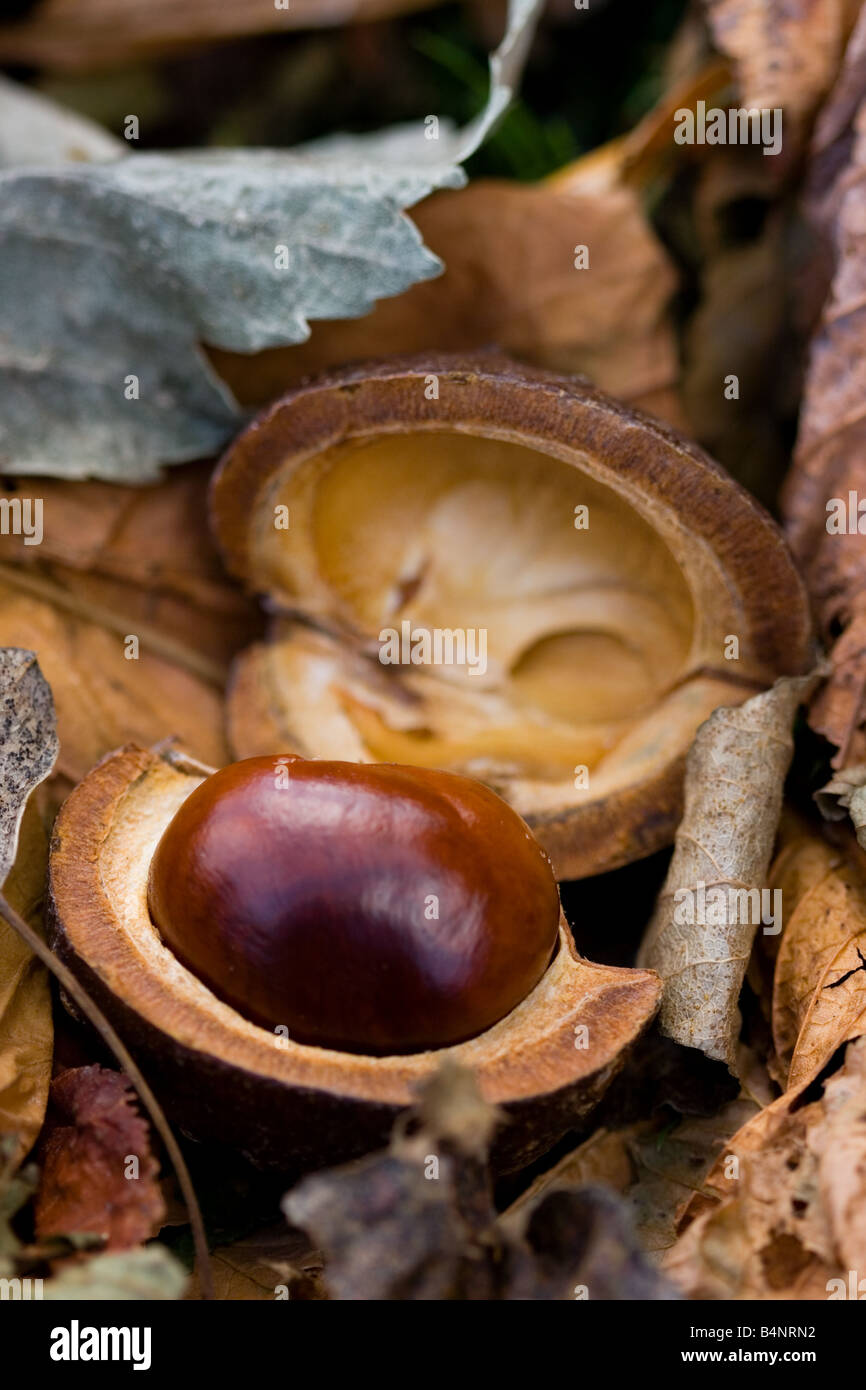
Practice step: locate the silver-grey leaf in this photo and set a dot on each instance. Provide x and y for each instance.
(35, 131)
(28, 742)
(110, 275)
(113, 274)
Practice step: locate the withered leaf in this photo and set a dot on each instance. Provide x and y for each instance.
(140, 1275)
(262, 1267)
(786, 1214)
(113, 383)
(98, 1173)
(28, 742)
(28, 749)
(140, 555)
(846, 792)
(786, 53)
(17, 1186)
(610, 322)
(418, 1221)
(819, 989)
(829, 455)
(102, 698)
(735, 772)
(35, 131)
(656, 1166)
(26, 1029)
(85, 34)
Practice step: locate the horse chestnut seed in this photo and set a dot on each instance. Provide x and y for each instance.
(369, 908)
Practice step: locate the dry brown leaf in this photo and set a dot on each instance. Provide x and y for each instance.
(261, 1267)
(28, 750)
(831, 445)
(819, 994)
(104, 700)
(417, 1222)
(98, 1174)
(733, 796)
(740, 327)
(510, 281)
(26, 1032)
(786, 53)
(657, 1167)
(787, 1215)
(143, 554)
(88, 34)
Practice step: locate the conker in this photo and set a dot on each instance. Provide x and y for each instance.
(365, 907)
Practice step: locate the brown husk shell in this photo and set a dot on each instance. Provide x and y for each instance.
(284, 1105)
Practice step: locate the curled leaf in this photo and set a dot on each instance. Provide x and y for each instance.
(700, 936)
(846, 792)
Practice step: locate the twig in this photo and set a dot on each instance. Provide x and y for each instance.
(95, 1016)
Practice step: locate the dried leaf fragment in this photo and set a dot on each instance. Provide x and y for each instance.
(819, 987)
(28, 749)
(828, 470)
(786, 1217)
(28, 742)
(418, 1222)
(26, 1027)
(99, 1174)
(701, 934)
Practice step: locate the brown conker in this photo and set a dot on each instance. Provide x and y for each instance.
(365, 907)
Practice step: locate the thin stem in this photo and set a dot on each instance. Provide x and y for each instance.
(95, 1016)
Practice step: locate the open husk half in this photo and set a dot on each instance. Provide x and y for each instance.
(286, 1105)
(620, 583)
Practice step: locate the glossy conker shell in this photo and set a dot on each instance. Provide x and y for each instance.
(365, 907)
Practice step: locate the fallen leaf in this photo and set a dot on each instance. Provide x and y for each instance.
(418, 1222)
(28, 749)
(28, 742)
(102, 371)
(17, 1186)
(609, 321)
(88, 34)
(655, 1165)
(104, 700)
(26, 1029)
(35, 131)
(828, 462)
(786, 1214)
(140, 559)
(140, 1275)
(98, 1173)
(819, 992)
(261, 1267)
(733, 797)
(846, 792)
(786, 52)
